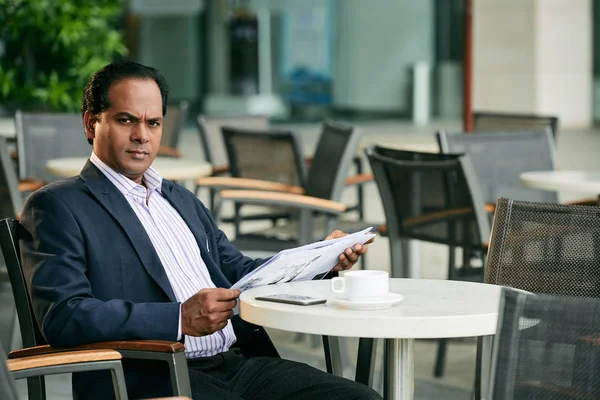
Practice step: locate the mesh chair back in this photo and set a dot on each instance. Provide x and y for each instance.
(173, 124)
(11, 200)
(212, 138)
(500, 157)
(430, 197)
(331, 161)
(545, 248)
(268, 155)
(44, 136)
(488, 121)
(546, 348)
(9, 243)
(7, 384)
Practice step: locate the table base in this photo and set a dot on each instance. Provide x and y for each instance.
(399, 369)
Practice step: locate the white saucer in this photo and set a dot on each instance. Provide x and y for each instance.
(377, 303)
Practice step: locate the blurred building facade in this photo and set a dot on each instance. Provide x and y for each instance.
(356, 57)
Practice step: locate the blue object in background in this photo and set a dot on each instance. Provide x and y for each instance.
(306, 51)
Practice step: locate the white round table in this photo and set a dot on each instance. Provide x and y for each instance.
(577, 181)
(177, 169)
(430, 309)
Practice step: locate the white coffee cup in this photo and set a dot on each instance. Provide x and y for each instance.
(362, 285)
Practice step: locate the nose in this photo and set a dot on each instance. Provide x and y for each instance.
(140, 134)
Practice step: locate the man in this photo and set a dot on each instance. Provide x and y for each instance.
(119, 253)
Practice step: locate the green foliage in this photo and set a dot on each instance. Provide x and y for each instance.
(52, 47)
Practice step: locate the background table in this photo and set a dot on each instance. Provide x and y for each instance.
(577, 181)
(177, 169)
(430, 309)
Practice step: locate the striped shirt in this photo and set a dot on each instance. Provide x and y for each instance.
(176, 247)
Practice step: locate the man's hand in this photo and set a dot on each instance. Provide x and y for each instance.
(350, 256)
(208, 311)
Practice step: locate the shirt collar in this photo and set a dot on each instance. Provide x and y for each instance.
(152, 179)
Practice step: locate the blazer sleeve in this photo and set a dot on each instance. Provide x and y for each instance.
(53, 255)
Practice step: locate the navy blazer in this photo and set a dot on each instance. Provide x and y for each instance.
(94, 275)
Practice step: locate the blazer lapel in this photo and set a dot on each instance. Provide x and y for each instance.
(116, 204)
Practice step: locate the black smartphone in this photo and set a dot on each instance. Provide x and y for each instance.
(292, 299)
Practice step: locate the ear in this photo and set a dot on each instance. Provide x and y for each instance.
(89, 123)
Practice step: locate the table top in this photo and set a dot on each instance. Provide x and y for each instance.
(428, 147)
(578, 181)
(177, 169)
(7, 127)
(430, 309)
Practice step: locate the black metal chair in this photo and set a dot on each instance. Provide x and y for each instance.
(546, 348)
(318, 198)
(433, 198)
(502, 122)
(36, 345)
(213, 144)
(542, 248)
(173, 124)
(267, 155)
(44, 136)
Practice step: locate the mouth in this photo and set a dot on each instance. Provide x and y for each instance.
(138, 153)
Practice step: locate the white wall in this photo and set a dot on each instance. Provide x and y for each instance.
(534, 56)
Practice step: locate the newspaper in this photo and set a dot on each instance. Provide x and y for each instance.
(302, 263)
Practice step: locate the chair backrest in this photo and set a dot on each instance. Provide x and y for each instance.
(173, 123)
(545, 248)
(502, 122)
(11, 200)
(331, 161)
(44, 136)
(429, 197)
(500, 157)
(270, 155)
(212, 138)
(9, 243)
(7, 383)
(546, 348)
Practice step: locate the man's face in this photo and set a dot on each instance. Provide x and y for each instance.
(127, 134)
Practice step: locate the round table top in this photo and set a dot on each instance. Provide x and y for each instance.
(430, 309)
(577, 181)
(177, 169)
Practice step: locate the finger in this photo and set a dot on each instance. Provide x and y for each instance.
(226, 294)
(336, 234)
(351, 256)
(360, 249)
(227, 315)
(344, 262)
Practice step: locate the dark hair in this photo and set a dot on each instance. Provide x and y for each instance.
(95, 93)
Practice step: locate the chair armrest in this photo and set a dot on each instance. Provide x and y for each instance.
(226, 182)
(220, 169)
(159, 346)
(62, 358)
(30, 184)
(490, 208)
(584, 202)
(359, 179)
(284, 199)
(166, 151)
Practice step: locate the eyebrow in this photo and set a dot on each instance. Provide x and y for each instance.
(137, 119)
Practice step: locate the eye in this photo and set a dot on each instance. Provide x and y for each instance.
(125, 120)
(154, 123)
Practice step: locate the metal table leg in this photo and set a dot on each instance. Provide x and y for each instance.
(399, 369)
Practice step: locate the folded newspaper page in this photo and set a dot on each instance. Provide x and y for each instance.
(302, 263)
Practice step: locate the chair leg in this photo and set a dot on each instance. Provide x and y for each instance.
(440, 360)
(365, 361)
(333, 359)
(36, 388)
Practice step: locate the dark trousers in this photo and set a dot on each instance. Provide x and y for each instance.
(230, 376)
